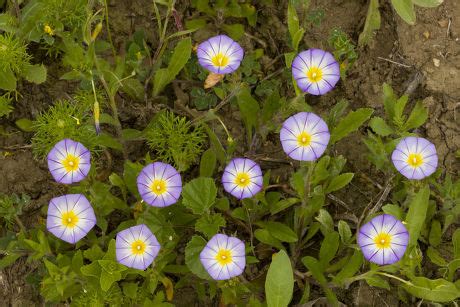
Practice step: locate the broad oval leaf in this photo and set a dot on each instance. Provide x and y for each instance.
(279, 284)
(199, 194)
(405, 9)
(436, 290)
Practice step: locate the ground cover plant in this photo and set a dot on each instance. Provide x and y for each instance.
(214, 153)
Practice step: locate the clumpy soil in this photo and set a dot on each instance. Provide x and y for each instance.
(421, 60)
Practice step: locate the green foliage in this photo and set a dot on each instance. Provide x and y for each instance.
(344, 49)
(279, 284)
(11, 207)
(396, 123)
(175, 140)
(16, 64)
(6, 106)
(179, 58)
(372, 23)
(199, 195)
(66, 119)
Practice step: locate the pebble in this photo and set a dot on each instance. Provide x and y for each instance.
(436, 62)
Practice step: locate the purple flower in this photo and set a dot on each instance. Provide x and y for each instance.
(159, 184)
(136, 247)
(224, 257)
(220, 54)
(315, 71)
(415, 158)
(383, 240)
(70, 217)
(242, 178)
(304, 136)
(69, 161)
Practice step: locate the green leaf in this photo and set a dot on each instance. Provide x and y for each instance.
(210, 224)
(280, 231)
(417, 117)
(351, 267)
(264, 236)
(130, 289)
(199, 195)
(344, 231)
(329, 248)
(416, 215)
(297, 38)
(380, 127)
(435, 233)
(456, 243)
(405, 9)
(208, 163)
(133, 88)
(314, 267)
(35, 73)
(283, 204)
(377, 281)
(7, 80)
(235, 31)
(436, 290)
(192, 257)
(249, 108)
(179, 58)
(25, 124)
(394, 210)
(326, 221)
(350, 123)
(435, 257)
(293, 20)
(339, 182)
(131, 134)
(372, 23)
(428, 3)
(107, 140)
(279, 284)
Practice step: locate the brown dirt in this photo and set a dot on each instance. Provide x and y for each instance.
(434, 55)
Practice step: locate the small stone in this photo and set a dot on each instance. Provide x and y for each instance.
(436, 62)
(426, 34)
(443, 23)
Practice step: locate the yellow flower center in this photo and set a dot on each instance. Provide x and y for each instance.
(304, 139)
(242, 180)
(382, 240)
(415, 160)
(159, 186)
(71, 163)
(48, 30)
(69, 219)
(138, 247)
(314, 74)
(220, 60)
(224, 257)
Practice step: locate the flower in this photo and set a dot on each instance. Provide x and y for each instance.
(69, 161)
(242, 178)
(159, 184)
(315, 71)
(415, 158)
(220, 54)
(136, 247)
(304, 136)
(224, 257)
(383, 240)
(48, 30)
(70, 217)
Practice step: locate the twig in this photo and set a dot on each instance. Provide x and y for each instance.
(339, 201)
(396, 63)
(379, 202)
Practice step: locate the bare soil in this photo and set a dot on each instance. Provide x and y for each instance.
(422, 60)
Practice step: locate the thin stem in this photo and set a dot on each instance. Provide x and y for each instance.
(108, 29)
(21, 225)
